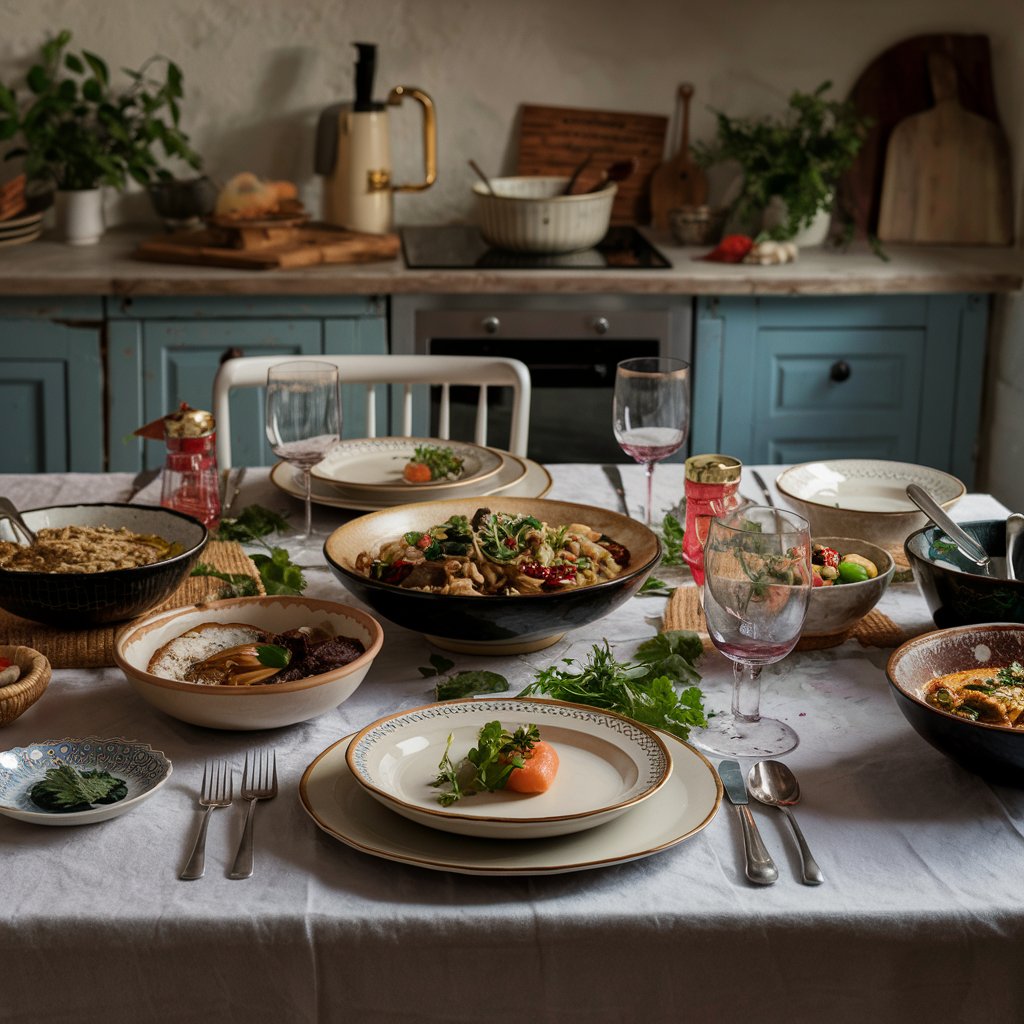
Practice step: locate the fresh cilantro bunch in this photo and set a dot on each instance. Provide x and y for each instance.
(488, 765)
(643, 690)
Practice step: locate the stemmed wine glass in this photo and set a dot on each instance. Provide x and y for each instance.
(651, 411)
(303, 418)
(757, 582)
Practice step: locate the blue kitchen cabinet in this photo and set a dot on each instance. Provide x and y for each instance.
(51, 385)
(782, 380)
(167, 351)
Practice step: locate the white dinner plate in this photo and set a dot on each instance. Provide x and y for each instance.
(680, 809)
(519, 478)
(24, 221)
(143, 770)
(21, 239)
(370, 468)
(606, 765)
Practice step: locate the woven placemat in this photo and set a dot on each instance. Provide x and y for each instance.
(94, 648)
(876, 629)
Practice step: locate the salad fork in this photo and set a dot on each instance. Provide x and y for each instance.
(258, 784)
(215, 791)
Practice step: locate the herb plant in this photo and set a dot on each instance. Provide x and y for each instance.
(798, 156)
(79, 132)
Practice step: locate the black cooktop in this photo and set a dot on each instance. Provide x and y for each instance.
(460, 247)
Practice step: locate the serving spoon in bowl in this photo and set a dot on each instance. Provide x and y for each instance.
(965, 543)
(8, 510)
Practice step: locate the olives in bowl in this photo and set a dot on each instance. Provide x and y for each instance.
(851, 576)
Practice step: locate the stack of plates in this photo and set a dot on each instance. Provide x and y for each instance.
(18, 230)
(623, 791)
(366, 475)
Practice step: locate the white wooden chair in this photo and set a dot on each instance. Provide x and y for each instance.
(407, 370)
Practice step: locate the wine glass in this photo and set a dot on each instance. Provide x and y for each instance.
(651, 411)
(303, 418)
(757, 582)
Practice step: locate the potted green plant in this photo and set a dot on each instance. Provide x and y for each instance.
(79, 133)
(791, 164)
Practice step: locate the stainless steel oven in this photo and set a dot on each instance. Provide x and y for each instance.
(570, 343)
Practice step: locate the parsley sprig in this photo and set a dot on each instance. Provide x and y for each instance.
(488, 765)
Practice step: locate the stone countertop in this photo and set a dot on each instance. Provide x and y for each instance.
(53, 268)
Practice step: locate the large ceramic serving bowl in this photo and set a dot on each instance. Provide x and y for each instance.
(491, 625)
(956, 593)
(838, 608)
(864, 497)
(76, 600)
(266, 706)
(995, 752)
(530, 214)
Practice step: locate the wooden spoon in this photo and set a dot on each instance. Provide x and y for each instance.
(679, 181)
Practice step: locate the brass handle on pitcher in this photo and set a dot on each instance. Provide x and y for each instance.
(429, 135)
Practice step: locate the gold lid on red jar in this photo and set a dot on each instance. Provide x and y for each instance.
(188, 422)
(713, 469)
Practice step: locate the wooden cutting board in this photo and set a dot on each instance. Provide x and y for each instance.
(553, 140)
(892, 87)
(301, 246)
(947, 173)
(679, 181)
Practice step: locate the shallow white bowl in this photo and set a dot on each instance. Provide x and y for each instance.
(143, 769)
(607, 764)
(266, 706)
(865, 498)
(530, 214)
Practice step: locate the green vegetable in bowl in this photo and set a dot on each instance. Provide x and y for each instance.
(64, 789)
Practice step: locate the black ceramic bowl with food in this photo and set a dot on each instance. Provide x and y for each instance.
(77, 600)
(491, 624)
(956, 592)
(993, 751)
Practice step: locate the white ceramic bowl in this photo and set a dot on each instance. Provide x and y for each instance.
(530, 214)
(840, 607)
(864, 498)
(267, 706)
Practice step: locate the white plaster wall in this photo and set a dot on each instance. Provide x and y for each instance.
(258, 72)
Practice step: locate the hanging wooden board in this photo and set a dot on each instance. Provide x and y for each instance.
(680, 181)
(947, 173)
(553, 140)
(303, 246)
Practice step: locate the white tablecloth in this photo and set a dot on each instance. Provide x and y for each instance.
(921, 915)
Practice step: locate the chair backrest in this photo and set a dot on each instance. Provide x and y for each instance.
(408, 370)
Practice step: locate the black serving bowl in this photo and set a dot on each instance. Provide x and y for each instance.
(992, 751)
(956, 593)
(77, 600)
(491, 625)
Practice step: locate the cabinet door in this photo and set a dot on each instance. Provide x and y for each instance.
(51, 396)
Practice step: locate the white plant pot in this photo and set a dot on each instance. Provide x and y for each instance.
(815, 233)
(80, 215)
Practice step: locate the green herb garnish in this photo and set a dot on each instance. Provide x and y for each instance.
(468, 684)
(273, 655)
(238, 583)
(653, 587)
(279, 573)
(252, 524)
(442, 462)
(65, 789)
(488, 765)
(671, 540)
(439, 665)
(643, 690)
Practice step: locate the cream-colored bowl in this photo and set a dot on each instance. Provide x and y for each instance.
(864, 498)
(530, 214)
(840, 607)
(266, 706)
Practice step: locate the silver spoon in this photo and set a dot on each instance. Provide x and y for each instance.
(967, 545)
(773, 784)
(9, 510)
(1014, 530)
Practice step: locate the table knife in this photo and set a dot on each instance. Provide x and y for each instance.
(615, 479)
(232, 485)
(759, 480)
(760, 867)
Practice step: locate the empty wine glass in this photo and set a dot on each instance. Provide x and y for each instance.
(757, 582)
(303, 418)
(651, 411)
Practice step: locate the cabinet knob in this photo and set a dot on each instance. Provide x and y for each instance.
(491, 324)
(601, 325)
(840, 371)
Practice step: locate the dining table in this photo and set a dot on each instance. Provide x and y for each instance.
(919, 916)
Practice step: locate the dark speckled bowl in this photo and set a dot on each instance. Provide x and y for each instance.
(78, 600)
(955, 592)
(491, 625)
(992, 751)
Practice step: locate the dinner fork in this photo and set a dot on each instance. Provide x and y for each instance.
(215, 791)
(259, 783)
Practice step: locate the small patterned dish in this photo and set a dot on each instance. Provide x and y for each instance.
(143, 769)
